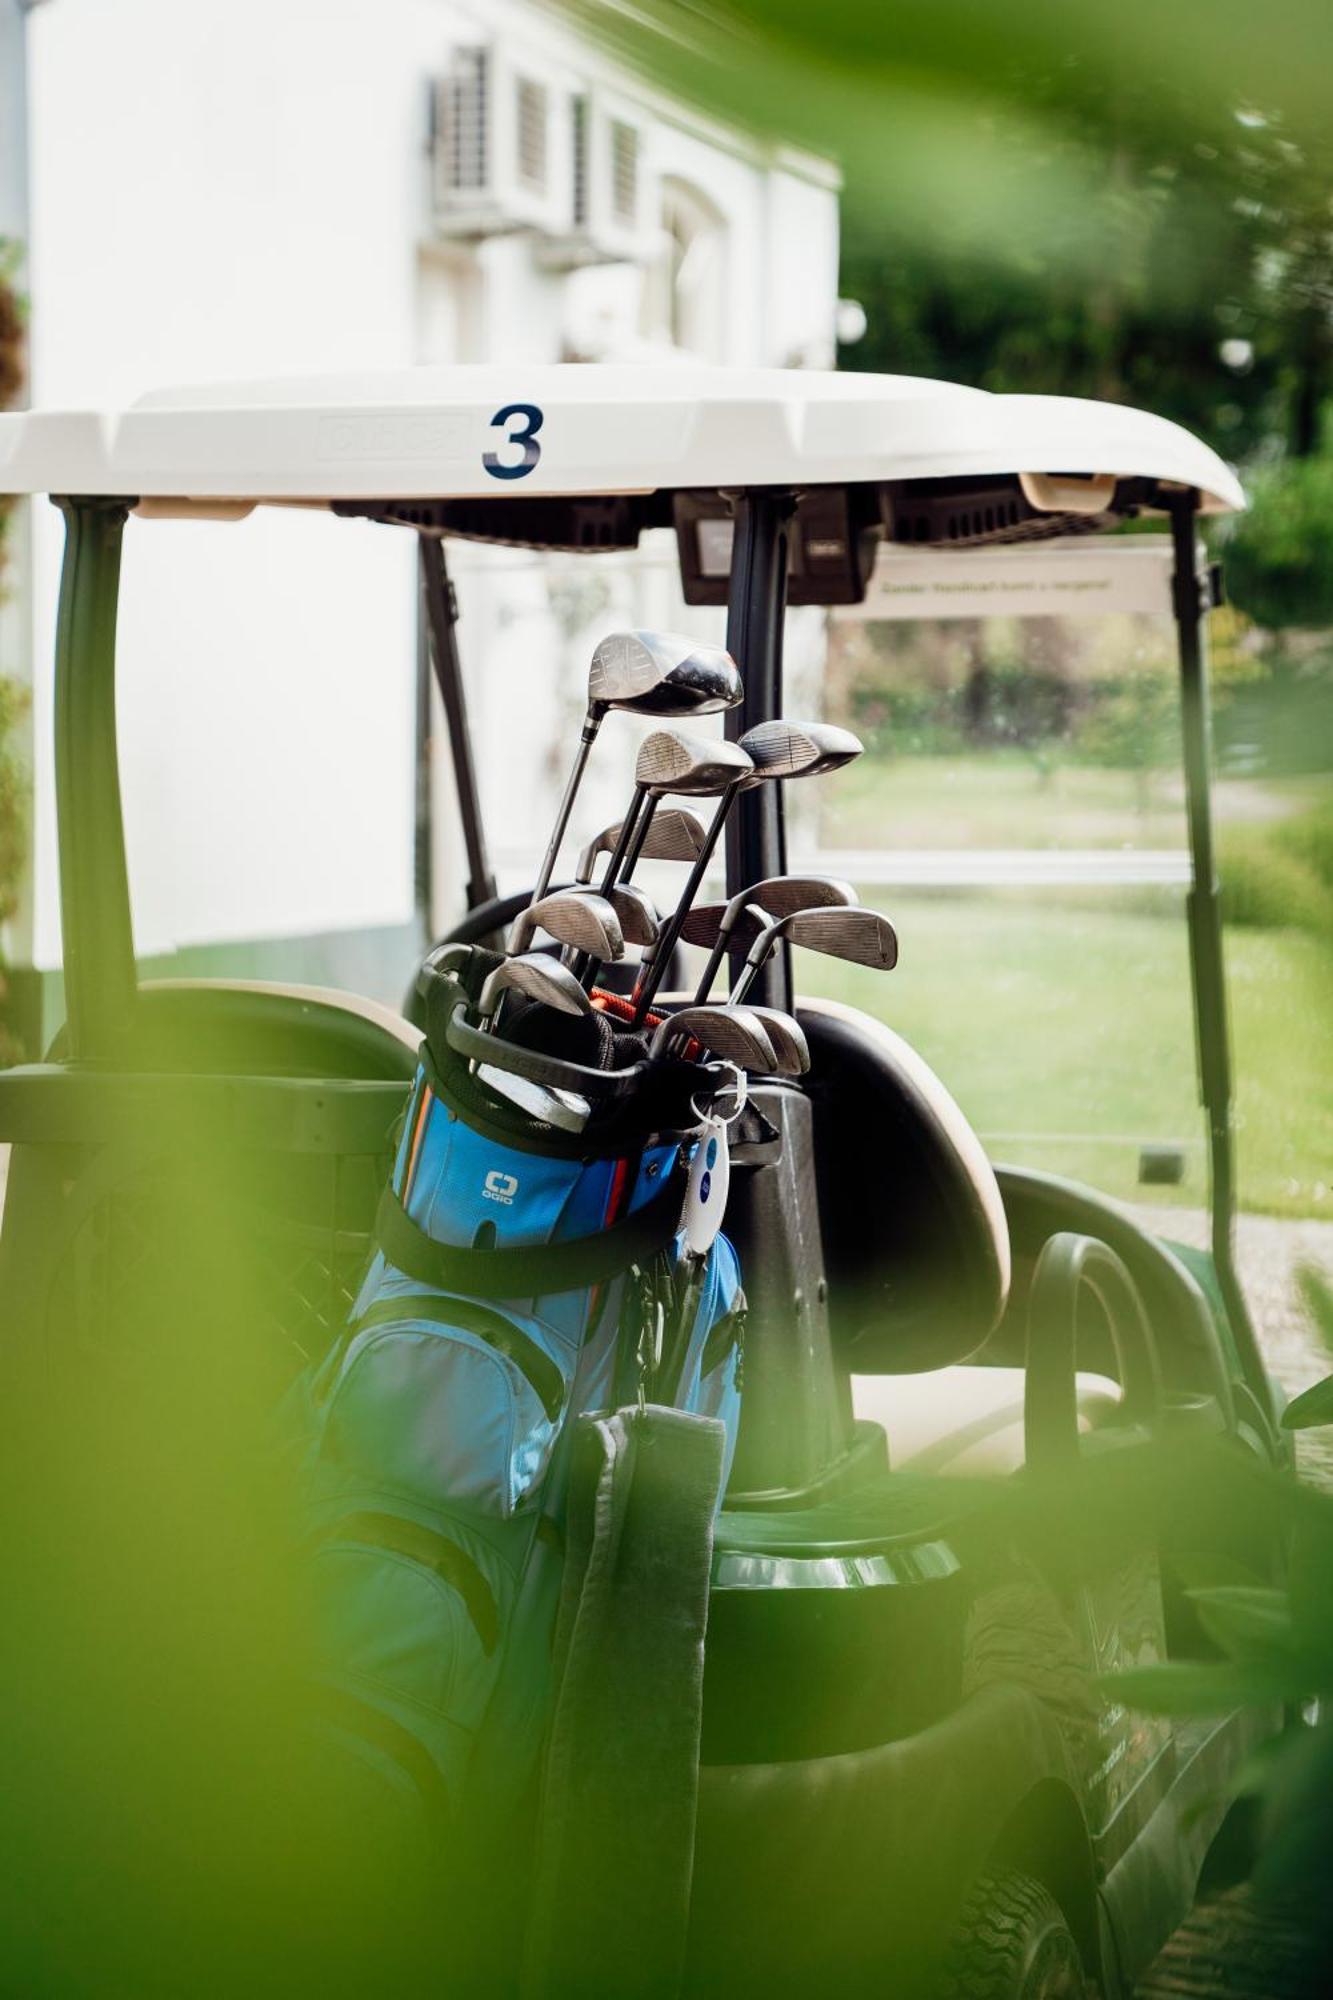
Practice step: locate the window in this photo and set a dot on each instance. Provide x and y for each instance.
(579, 138)
(462, 107)
(624, 173)
(531, 133)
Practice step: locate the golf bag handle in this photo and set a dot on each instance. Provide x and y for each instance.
(476, 1046)
(1069, 1268)
(567, 1265)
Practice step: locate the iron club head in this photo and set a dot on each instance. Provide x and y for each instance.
(734, 1033)
(537, 976)
(857, 936)
(578, 917)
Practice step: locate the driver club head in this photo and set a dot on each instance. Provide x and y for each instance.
(579, 917)
(661, 673)
(735, 1033)
(537, 976)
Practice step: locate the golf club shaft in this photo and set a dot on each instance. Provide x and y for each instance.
(752, 967)
(620, 866)
(715, 958)
(653, 970)
(592, 722)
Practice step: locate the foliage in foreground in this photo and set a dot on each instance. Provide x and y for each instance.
(13, 701)
(1274, 1645)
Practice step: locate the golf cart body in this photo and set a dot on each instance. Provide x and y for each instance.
(881, 1731)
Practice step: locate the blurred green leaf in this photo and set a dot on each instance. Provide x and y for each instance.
(1246, 1623)
(1312, 1407)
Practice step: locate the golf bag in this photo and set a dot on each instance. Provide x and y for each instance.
(515, 1284)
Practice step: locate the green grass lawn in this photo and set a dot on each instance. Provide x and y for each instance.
(1064, 1030)
(1005, 798)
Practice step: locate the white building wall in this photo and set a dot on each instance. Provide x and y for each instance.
(235, 187)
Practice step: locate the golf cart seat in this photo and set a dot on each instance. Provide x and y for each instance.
(918, 1255)
(299, 1086)
(968, 1422)
(916, 1245)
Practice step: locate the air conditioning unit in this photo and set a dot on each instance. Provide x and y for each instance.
(502, 147)
(613, 197)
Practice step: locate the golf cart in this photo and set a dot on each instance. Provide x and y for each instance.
(887, 1792)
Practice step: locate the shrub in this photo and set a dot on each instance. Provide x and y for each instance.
(1279, 556)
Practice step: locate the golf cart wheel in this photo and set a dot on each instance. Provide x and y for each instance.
(1012, 1943)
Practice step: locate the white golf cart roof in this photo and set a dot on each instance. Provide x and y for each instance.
(571, 430)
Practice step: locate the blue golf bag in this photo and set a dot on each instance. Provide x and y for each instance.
(516, 1282)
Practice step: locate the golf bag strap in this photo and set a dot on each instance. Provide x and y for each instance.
(534, 1269)
(615, 1849)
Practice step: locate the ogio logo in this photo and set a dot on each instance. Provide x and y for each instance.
(499, 1187)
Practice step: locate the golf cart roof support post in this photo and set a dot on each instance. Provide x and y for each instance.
(96, 926)
(1191, 599)
(441, 604)
(756, 611)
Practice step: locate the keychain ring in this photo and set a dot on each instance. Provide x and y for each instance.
(738, 1087)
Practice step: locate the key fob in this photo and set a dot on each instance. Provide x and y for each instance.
(706, 1188)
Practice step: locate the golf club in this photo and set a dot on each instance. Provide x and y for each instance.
(671, 760)
(566, 1110)
(650, 673)
(861, 937)
(734, 1033)
(791, 1051)
(675, 835)
(537, 976)
(776, 750)
(578, 917)
(776, 897)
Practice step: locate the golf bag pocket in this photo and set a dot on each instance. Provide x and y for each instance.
(443, 1399)
(408, 1619)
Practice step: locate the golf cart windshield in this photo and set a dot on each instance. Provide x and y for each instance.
(1020, 809)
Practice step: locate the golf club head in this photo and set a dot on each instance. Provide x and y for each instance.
(734, 1033)
(703, 925)
(673, 835)
(859, 937)
(638, 919)
(780, 749)
(578, 917)
(676, 760)
(660, 673)
(537, 976)
(790, 1048)
(779, 895)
